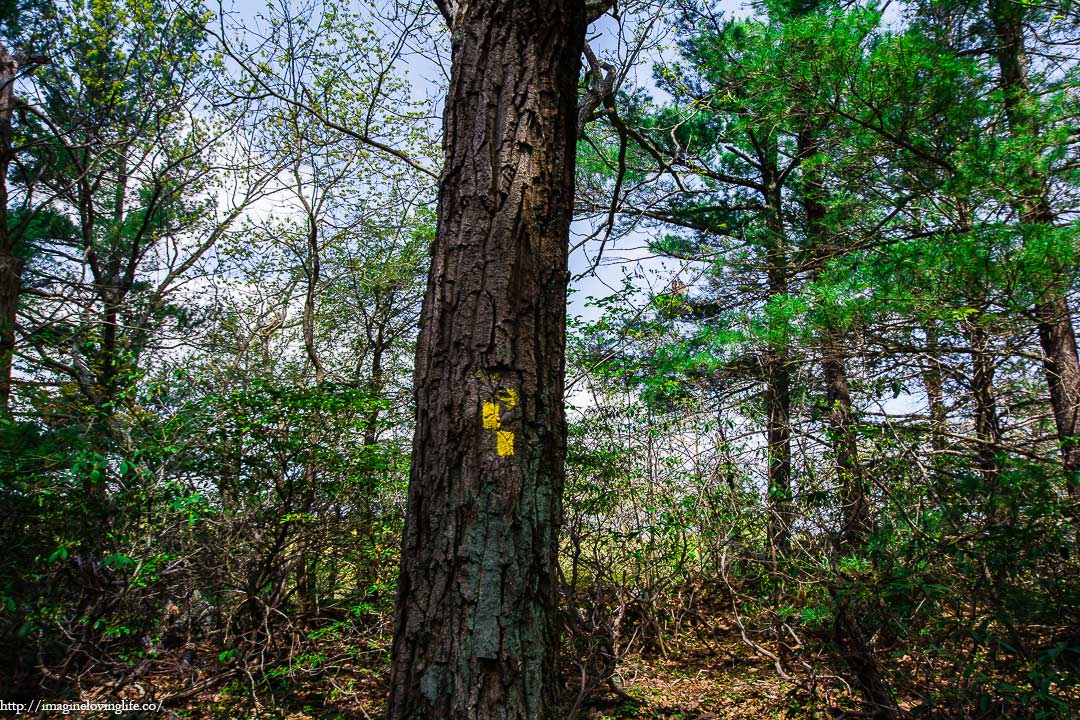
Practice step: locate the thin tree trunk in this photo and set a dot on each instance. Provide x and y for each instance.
(10, 264)
(476, 633)
(856, 651)
(309, 300)
(102, 432)
(778, 369)
(987, 425)
(779, 439)
(112, 288)
(10, 288)
(862, 660)
(110, 360)
(1062, 370)
(375, 385)
(1052, 314)
(855, 510)
(306, 595)
(934, 385)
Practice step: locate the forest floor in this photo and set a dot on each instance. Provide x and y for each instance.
(654, 689)
(704, 672)
(675, 688)
(722, 678)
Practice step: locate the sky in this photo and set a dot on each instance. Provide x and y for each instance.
(625, 257)
(607, 36)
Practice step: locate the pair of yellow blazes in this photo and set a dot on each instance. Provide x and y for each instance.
(504, 439)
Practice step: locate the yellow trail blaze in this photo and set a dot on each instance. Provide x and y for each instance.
(504, 439)
(491, 416)
(504, 444)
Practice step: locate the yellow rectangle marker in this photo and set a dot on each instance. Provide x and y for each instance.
(491, 416)
(505, 442)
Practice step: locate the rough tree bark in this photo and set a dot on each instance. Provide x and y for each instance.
(1052, 314)
(475, 632)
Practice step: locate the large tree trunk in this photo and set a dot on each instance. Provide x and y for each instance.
(476, 632)
(1052, 314)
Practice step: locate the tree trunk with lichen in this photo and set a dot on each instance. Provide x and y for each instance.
(476, 632)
